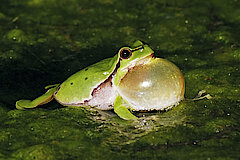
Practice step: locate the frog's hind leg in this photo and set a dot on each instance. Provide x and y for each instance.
(45, 98)
(122, 111)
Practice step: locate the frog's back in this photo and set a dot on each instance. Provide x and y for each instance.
(78, 87)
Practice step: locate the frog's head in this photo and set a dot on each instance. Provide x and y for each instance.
(139, 53)
(129, 57)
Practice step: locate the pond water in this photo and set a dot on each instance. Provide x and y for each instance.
(45, 41)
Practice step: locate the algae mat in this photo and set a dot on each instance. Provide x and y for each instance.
(45, 41)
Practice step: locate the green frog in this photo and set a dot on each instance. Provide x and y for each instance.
(132, 80)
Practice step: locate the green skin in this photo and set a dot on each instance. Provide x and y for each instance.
(70, 94)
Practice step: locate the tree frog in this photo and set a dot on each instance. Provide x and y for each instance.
(132, 80)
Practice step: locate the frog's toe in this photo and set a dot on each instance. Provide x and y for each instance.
(124, 113)
(24, 104)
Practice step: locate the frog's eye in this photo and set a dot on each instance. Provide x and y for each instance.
(125, 53)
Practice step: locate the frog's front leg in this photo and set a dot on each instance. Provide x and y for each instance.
(121, 110)
(45, 98)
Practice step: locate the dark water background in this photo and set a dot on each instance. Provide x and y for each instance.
(45, 41)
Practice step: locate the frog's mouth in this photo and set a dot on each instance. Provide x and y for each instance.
(140, 61)
(145, 59)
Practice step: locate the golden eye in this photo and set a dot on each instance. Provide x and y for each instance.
(125, 53)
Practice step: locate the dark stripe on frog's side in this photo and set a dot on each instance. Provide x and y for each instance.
(108, 79)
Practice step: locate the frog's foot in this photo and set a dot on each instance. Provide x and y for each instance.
(122, 111)
(45, 98)
(201, 96)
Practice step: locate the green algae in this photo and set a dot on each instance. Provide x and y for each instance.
(43, 42)
(41, 152)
